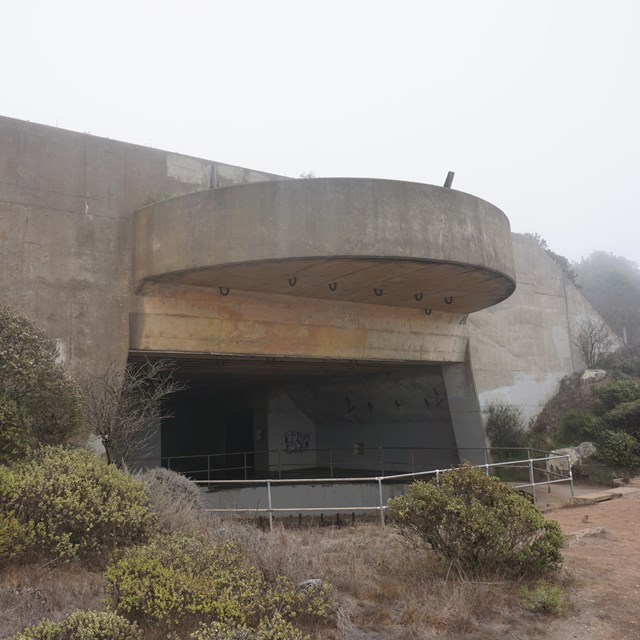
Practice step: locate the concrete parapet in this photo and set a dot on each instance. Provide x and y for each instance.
(380, 242)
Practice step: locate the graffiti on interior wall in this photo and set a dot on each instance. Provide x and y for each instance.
(439, 399)
(296, 441)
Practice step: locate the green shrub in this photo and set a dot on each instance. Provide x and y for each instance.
(184, 579)
(505, 428)
(220, 631)
(625, 417)
(619, 449)
(31, 376)
(15, 537)
(14, 431)
(478, 524)
(275, 628)
(546, 598)
(577, 426)
(75, 504)
(309, 603)
(84, 625)
(625, 361)
(609, 396)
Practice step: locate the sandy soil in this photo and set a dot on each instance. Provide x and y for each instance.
(603, 562)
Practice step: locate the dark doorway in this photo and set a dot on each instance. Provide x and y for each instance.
(238, 429)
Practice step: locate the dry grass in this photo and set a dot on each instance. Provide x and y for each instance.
(382, 589)
(31, 593)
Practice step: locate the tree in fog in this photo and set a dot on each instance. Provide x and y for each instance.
(612, 285)
(595, 341)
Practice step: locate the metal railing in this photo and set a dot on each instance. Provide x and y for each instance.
(534, 466)
(278, 463)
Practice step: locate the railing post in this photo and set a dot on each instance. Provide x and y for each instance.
(381, 503)
(570, 475)
(486, 456)
(532, 480)
(269, 504)
(546, 471)
(382, 460)
(245, 465)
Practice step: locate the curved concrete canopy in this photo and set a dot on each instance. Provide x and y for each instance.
(359, 240)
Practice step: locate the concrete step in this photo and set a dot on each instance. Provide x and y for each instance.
(602, 496)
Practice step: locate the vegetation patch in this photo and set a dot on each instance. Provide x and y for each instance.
(49, 402)
(187, 580)
(84, 625)
(70, 503)
(478, 525)
(547, 598)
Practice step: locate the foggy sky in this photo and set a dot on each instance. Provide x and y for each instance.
(534, 105)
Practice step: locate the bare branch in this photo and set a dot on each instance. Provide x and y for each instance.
(595, 341)
(124, 406)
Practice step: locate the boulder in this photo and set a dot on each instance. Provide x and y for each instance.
(576, 456)
(586, 450)
(593, 375)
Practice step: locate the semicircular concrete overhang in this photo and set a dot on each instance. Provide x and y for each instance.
(383, 242)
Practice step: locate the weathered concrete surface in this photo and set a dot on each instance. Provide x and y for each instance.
(67, 213)
(66, 228)
(200, 320)
(521, 348)
(415, 244)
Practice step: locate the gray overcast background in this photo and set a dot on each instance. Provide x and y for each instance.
(534, 105)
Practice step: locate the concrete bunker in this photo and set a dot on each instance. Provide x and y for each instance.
(320, 324)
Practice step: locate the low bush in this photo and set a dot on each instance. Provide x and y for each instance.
(15, 537)
(14, 430)
(624, 417)
(32, 376)
(184, 580)
(275, 628)
(619, 449)
(577, 426)
(610, 395)
(74, 504)
(505, 425)
(84, 625)
(478, 524)
(506, 430)
(625, 361)
(546, 598)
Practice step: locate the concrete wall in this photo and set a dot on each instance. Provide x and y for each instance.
(521, 348)
(291, 431)
(405, 411)
(66, 228)
(67, 203)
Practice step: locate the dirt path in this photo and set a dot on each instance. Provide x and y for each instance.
(603, 562)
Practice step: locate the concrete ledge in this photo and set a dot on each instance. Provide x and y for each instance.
(381, 242)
